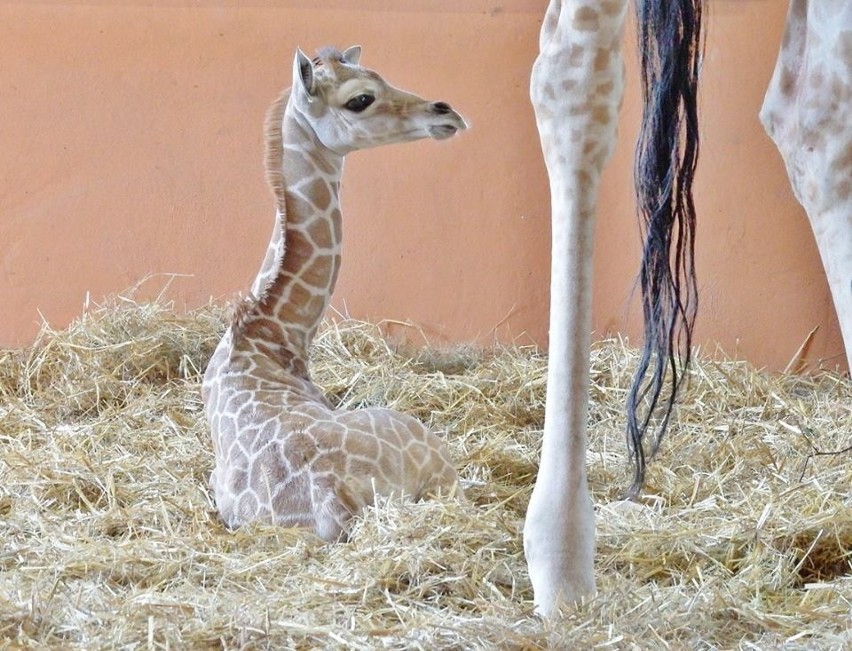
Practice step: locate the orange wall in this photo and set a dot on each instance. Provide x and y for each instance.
(131, 145)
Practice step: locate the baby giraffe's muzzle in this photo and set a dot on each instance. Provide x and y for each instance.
(450, 125)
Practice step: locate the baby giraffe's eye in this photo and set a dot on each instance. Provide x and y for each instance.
(359, 103)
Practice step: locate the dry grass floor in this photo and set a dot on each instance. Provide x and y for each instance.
(108, 537)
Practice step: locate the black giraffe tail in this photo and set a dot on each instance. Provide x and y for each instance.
(670, 46)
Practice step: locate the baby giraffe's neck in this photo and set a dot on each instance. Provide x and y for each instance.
(295, 282)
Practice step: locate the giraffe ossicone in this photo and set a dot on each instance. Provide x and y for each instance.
(283, 454)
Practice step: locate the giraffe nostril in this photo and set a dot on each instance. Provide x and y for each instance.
(441, 108)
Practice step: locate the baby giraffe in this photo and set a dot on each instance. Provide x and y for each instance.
(283, 453)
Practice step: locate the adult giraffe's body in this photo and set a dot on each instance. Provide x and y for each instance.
(576, 88)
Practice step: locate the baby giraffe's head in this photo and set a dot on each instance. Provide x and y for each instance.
(350, 107)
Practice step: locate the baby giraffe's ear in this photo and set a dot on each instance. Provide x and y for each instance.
(303, 73)
(352, 55)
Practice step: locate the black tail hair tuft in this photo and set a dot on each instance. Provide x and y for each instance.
(670, 45)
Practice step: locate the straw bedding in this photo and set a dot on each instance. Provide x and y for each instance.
(743, 538)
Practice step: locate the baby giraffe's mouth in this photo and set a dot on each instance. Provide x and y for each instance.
(442, 131)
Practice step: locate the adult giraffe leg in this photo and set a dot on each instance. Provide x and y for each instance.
(807, 112)
(576, 89)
